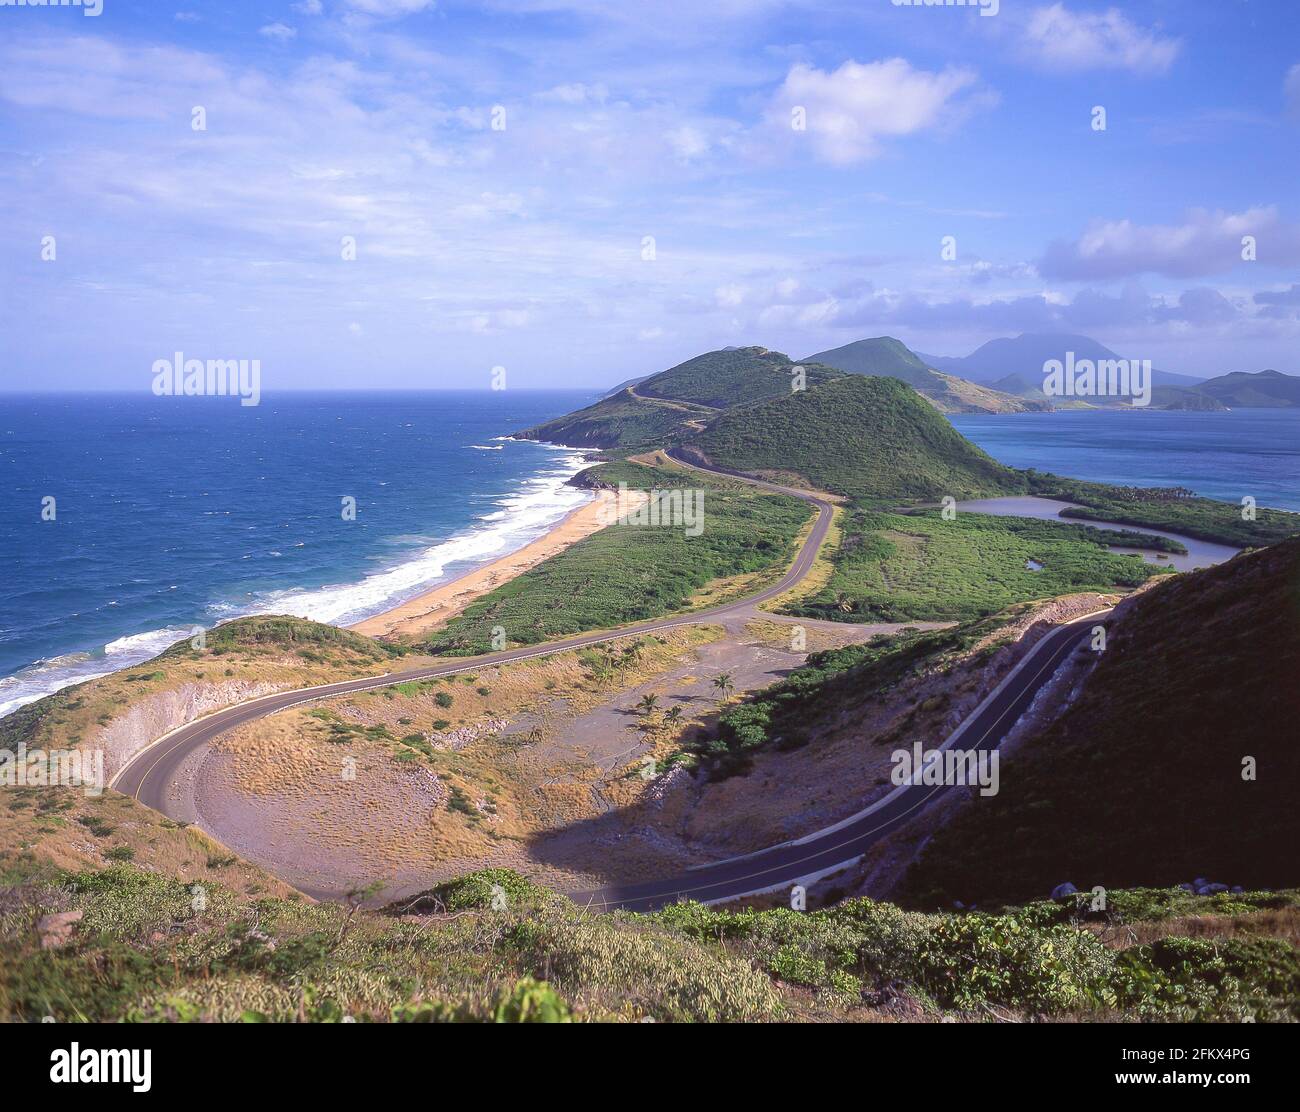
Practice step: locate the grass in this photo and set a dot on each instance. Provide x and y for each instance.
(628, 573)
(872, 439)
(919, 567)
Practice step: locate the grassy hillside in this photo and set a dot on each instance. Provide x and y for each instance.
(886, 357)
(626, 573)
(142, 951)
(731, 377)
(1140, 781)
(869, 438)
(622, 420)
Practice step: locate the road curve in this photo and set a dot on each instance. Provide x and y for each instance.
(147, 774)
(842, 844)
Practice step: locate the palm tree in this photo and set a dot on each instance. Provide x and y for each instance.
(673, 715)
(723, 683)
(649, 704)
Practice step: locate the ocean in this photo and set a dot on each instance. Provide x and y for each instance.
(1252, 452)
(176, 512)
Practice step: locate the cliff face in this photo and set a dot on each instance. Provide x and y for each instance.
(158, 714)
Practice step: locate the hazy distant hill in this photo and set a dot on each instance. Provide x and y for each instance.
(891, 358)
(1262, 389)
(865, 437)
(1140, 780)
(1024, 355)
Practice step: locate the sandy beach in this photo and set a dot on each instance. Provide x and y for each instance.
(437, 606)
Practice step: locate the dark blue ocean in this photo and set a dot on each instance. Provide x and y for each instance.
(1252, 452)
(175, 512)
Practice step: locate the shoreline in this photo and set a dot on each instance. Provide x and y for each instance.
(432, 608)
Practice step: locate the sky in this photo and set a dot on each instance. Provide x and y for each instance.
(409, 194)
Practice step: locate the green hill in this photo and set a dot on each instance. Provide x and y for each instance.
(871, 438)
(675, 404)
(887, 357)
(1140, 781)
(730, 377)
(622, 420)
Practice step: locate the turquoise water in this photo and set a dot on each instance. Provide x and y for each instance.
(1252, 452)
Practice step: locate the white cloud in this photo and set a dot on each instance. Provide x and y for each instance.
(1205, 243)
(309, 7)
(1057, 37)
(389, 9)
(849, 111)
(279, 31)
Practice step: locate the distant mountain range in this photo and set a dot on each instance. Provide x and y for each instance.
(1014, 365)
(1024, 356)
(886, 357)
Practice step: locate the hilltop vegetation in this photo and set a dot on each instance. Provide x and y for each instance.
(666, 407)
(732, 377)
(866, 438)
(1140, 780)
(622, 420)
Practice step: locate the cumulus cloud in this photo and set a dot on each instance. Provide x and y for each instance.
(848, 112)
(1058, 37)
(281, 32)
(1205, 243)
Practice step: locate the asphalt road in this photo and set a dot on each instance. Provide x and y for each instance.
(822, 853)
(148, 775)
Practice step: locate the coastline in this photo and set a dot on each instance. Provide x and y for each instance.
(433, 608)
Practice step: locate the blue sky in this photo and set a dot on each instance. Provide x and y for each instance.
(525, 246)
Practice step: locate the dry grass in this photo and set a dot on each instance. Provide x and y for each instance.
(66, 829)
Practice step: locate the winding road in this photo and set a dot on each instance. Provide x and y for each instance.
(147, 776)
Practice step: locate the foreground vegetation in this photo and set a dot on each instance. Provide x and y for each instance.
(627, 573)
(491, 947)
